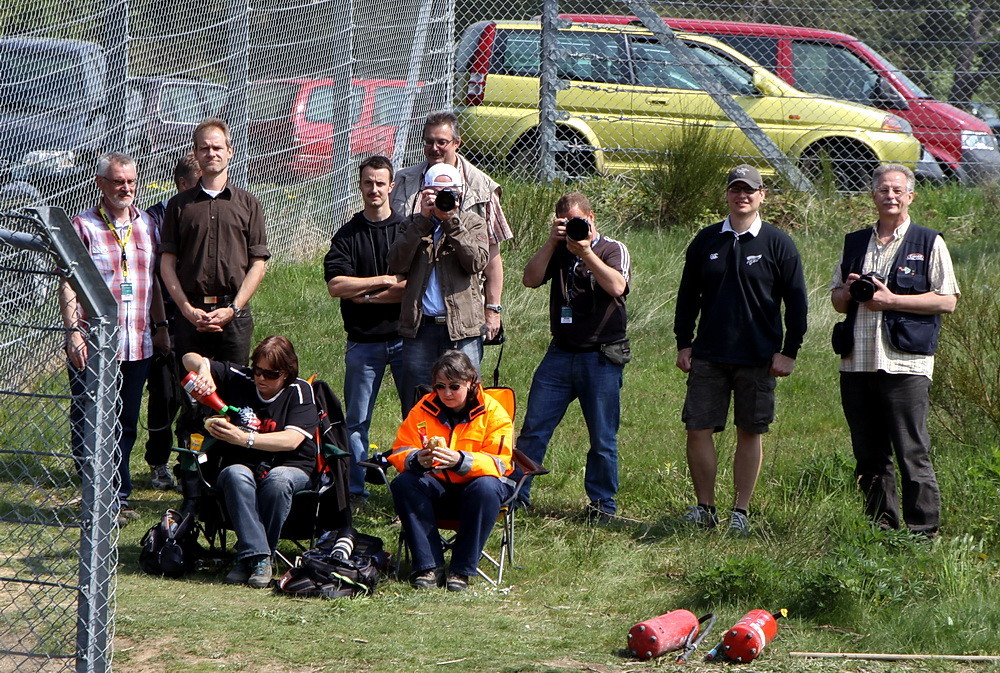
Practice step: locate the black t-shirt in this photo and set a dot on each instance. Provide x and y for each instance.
(593, 317)
(291, 409)
(360, 248)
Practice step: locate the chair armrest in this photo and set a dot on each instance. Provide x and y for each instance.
(529, 467)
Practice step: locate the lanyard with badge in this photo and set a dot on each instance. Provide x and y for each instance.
(127, 290)
(570, 291)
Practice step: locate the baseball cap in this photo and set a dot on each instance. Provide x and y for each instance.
(442, 175)
(747, 174)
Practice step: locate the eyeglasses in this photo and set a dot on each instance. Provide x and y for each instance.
(453, 387)
(118, 183)
(437, 142)
(746, 189)
(269, 374)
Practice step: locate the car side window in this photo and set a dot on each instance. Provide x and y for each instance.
(588, 57)
(734, 78)
(833, 71)
(180, 104)
(654, 65)
(764, 50)
(321, 105)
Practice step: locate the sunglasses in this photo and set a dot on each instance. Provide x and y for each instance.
(453, 387)
(746, 189)
(269, 374)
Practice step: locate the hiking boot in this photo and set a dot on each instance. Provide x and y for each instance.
(458, 582)
(431, 578)
(699, 516)
(161, 478)
(261, 573)
(239, 574)
(598, 516)
(739, 524)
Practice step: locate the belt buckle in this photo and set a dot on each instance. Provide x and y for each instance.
(211, 300)
(440, 319)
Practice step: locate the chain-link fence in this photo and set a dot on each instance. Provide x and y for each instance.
(311, 86)
(58, 484)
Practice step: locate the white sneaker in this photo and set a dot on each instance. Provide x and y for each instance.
(161, 478)
(739, 524)
(700, 516)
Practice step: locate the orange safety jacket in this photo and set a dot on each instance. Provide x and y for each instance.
(484, 439)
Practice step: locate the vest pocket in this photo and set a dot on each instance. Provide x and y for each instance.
(912, 333)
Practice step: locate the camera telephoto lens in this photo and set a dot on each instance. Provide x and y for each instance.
(445, 200)
(577, 228)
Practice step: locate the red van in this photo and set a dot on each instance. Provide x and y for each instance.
(291, 124)
(841, 66)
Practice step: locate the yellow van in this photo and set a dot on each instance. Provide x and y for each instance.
(627, 96)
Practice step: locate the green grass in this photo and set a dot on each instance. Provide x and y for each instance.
(847, 586)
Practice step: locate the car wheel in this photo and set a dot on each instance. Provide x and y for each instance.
(577, 161)
(850, 163)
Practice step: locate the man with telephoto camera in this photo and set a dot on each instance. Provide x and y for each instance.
(737, 274)
(442, 251)
(589, 276)
(893, 280)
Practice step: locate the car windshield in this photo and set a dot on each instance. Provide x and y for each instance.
(389, 101)
(269, 101)
(39, 79)
(885, 63)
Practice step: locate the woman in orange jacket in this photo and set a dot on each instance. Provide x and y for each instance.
(453, 455)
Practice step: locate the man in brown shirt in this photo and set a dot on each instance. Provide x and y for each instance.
(214, 254)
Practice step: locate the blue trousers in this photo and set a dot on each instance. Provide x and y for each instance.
(420, 499)
(258, 510)
(131, 381)
(422, 351)
(591, 378)
(364, 368)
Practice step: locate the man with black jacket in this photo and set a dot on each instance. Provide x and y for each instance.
(887, 348)
(737, 274)
(357, 271)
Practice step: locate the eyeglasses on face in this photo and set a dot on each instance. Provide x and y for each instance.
(118, 183)
(437, 142)
(269, 374)
(453, 387)
(745, 189)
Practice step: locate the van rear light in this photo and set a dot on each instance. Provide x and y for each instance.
(479, 67)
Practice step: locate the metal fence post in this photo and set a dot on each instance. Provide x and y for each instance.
(237, 69)
(548, 85)
(342, 182)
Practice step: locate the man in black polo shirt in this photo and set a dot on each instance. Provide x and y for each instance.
(214, 254)
(589, 276)
(737, 273)
(357, 271)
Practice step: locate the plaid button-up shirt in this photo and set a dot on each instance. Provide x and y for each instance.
(872, 351)
(134, 334)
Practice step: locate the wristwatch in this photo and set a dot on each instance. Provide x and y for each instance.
(162, 323)
(496, 308)
(233, 306)
(251, 438)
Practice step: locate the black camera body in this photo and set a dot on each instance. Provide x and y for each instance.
(577, 228)
(864, 288)
(446, 200)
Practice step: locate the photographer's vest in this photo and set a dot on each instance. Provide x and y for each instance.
(907, 332)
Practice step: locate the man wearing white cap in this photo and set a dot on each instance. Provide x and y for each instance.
(442, 251)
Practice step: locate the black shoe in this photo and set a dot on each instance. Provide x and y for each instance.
(458, 582)
(597, 516)
(432, 578)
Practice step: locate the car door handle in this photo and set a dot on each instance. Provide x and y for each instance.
(660, 101)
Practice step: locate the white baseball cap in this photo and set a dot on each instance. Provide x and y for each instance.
(442, 175)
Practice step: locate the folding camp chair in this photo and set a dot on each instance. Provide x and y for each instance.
(524, 468)
(321, 507)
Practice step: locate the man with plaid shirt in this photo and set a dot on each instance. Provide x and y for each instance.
(122, 242)
(887, 348)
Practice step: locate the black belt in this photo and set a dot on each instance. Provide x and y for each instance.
(434, 320)
(213, 300)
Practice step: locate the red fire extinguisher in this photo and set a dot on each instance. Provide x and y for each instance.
(671, 631)
(747, 638)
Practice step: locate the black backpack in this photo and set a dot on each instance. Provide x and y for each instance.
(318, 572)
(170, 547)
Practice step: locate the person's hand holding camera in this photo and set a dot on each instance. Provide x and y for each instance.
(869, 289)
(579, 236)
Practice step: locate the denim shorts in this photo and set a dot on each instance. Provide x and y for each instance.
(709, 387)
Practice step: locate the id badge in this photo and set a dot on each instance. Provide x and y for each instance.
(127, 293)
(566, 315)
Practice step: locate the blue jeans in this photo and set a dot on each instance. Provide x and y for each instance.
(590, 377)
(364, 367)
(257, 511)
(422, 351)
(420, 498)
(131, 382)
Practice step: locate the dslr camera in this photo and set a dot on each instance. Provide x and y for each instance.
(577, 228)
(864, 288)
(446, 200)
